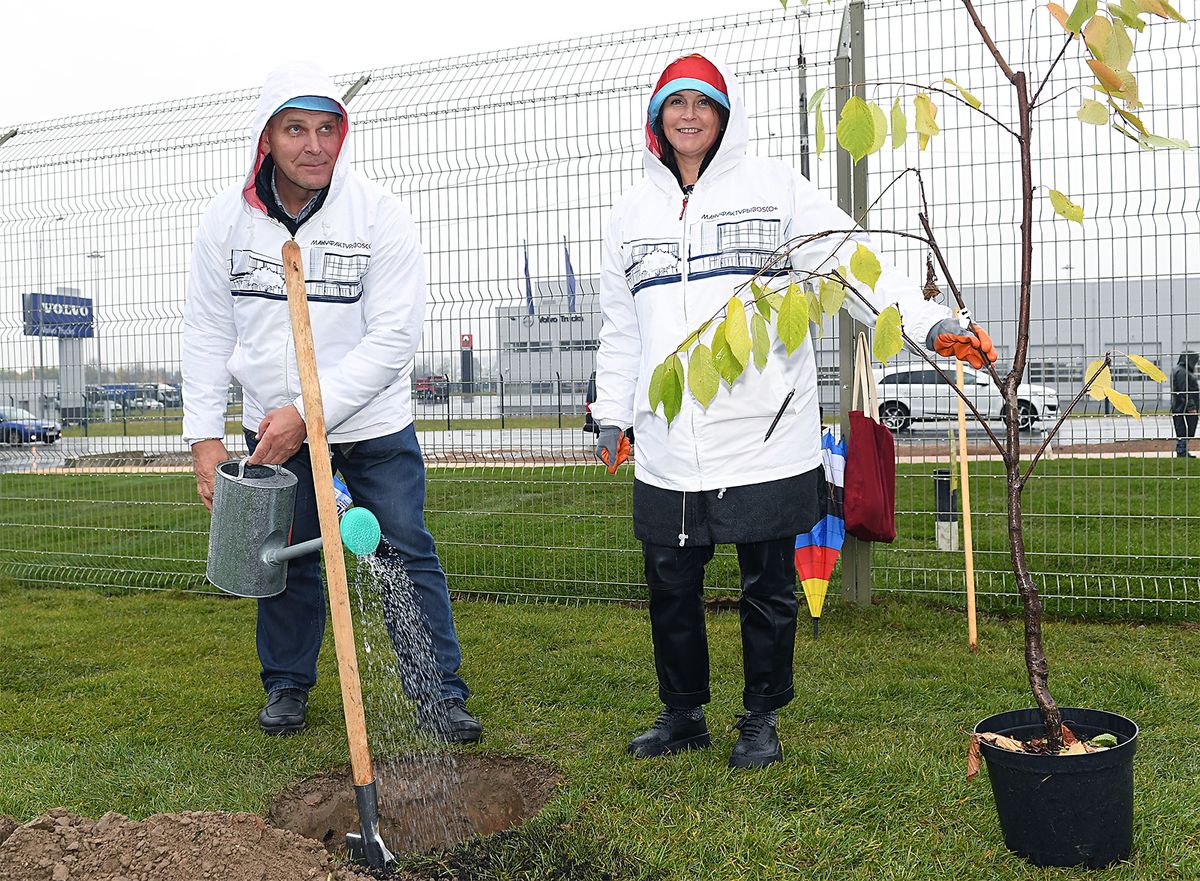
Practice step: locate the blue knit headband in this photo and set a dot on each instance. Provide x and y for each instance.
(678, 85)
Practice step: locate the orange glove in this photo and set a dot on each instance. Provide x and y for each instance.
(972, 345)
(612, 447)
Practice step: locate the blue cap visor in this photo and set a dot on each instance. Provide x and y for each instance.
(311, 102)
(679, 85)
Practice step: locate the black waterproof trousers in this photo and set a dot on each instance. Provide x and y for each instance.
(767, 608)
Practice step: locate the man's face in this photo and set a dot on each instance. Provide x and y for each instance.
(305, 145)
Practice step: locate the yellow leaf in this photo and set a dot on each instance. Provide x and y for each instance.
(881, 128)
(1107, 76)
(1134, 120)
(888, 337)
(1103, 381)
(927, 125)
(899, 126)
(967, 96)
(1129, 89)
(865, 266)
(1147, 367)
(1093, 113)
(1064, 207)
(1161, 8)
(1122, 402)
(1120, 47)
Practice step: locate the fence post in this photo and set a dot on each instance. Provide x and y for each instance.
(558, 383)
(850, 73)
(501, 374)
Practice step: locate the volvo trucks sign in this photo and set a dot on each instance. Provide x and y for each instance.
(57, 315)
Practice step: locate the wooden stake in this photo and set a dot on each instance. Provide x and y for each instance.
(335, 562)
(964, 482)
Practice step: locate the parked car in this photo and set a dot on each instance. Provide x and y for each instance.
(146, 404)
(18, 426)
(915, 393)
(589, 424)
(432, 389)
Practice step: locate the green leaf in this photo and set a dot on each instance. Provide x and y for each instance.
(1120, 46)
(702, 375)
(833, 294)
(967, 96)
(1105, 740)
(792, 324)
(1065, 207)
(656, 385)
(762, 340)
(1162, 9)
(672, 388)
(899, 125)
(737, 332)
(1147, 367)
(1096, 33)
(815, 105)
(1093, 113)
(727, 365)
(879, 119)
(865, 266)
(856, 129)
(1103, 383)
(1122, 402)
(1127, 18)
(927, 125)
(888, 340)
(1157, 142)
(1084, 9)
(815, 316)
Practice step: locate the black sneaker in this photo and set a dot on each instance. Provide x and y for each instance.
(672, 732)
(758, 743)
(450, 721)
(284, 712)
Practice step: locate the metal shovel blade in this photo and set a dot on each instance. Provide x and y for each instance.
(365, 846)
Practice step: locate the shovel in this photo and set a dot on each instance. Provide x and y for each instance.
(366, 845)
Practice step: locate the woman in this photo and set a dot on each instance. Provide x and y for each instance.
(1185, 402)
(678, 244)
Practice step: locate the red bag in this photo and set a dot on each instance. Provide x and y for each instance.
(870, 491)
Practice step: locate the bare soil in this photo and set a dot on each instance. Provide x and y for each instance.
(421, 807)
(425, 802)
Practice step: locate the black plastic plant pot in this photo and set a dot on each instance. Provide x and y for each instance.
(1064, 810)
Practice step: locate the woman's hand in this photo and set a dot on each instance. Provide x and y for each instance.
(612, 447)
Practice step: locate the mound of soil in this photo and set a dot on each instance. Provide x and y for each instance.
(428, 802)
(59, 846)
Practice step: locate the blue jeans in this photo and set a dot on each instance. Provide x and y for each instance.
(386, 475)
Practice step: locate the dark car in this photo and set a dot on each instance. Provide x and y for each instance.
(589, 424)
(19, 426)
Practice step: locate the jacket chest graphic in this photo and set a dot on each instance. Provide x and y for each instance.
(331, 275)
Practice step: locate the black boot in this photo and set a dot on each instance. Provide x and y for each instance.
(285, 711)
(672, 732)
(449, 720)
(758, 742)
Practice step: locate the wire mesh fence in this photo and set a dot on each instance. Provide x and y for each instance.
(509, 161)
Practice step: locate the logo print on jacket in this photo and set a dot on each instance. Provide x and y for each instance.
(330, 277)
(740, 247)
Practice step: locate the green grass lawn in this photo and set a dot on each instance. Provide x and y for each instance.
(143, 702)
(1100, 533)
(169, 423)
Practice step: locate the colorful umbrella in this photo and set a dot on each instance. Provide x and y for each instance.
(817, 551)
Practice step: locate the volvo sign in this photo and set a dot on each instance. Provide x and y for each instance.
(57, 315)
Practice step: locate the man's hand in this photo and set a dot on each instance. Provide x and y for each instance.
(280, 435)
(972, 345)
(612, 447)
(206, 456)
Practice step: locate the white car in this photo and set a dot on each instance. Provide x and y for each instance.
(914, 393)
(146, 404)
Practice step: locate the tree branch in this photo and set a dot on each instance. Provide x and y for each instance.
(987, 39)
(1046, 79)
(1062, 417)
(955, 95)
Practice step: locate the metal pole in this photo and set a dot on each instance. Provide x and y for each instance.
(850, 68)
(802, 76)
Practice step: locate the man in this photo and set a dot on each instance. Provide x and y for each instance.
(1185, 402)
(365, 279)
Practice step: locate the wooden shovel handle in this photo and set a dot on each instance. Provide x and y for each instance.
(322, 473)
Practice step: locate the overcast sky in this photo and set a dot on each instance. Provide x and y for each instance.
(67, 57)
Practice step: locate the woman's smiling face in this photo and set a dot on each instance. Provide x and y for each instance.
(691, 124)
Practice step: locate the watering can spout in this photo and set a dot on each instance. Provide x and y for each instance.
(360, 535)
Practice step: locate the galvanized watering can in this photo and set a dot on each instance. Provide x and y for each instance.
(248, 546)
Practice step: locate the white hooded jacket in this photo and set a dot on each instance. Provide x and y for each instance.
(365, 279)
(666, 268)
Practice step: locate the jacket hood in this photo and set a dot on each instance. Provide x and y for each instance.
(1188, 360)
(733, 144)
(284, 83)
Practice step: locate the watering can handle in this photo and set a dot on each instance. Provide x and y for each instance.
(241, 475)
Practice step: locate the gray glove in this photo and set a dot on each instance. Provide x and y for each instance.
(612, 447)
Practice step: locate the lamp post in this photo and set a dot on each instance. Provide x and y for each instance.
(95, 256)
